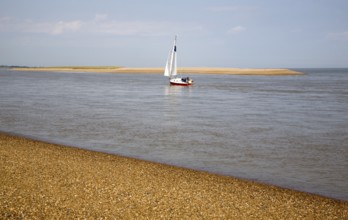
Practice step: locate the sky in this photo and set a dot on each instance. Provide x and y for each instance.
(140, 33)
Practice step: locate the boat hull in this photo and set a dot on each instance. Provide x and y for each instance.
(181, 82)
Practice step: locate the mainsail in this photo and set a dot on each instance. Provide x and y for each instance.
(170, 69)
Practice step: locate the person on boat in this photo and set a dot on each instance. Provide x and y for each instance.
(187, 79)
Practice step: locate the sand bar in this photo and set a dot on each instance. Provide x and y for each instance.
(159, 70)
(47, 181)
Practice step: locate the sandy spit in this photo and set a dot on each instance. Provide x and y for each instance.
(159, 70)
(47, 181)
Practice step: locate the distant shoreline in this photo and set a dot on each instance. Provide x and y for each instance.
(159, 70)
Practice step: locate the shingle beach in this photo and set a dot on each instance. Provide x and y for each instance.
(47, 181)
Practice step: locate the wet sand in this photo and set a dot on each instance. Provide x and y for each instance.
(47, 181)
(186, 70)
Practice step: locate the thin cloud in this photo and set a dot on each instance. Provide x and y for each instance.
(100, 17)
(229, 8)
(7, 24)
(61, 27)
(236, 30)
(145, 28)
(28, 26)
(4, 19)
(100, 24)
(125, 28)
(338, 36)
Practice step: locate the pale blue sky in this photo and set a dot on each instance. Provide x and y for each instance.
(212, 33)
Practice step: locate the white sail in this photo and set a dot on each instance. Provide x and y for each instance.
(170, 69)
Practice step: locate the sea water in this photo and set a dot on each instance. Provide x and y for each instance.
(290, 131)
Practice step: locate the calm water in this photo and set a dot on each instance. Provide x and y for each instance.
(290, 131)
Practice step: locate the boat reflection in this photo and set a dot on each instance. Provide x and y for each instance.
(177, 90)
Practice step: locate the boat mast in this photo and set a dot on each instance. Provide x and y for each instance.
(174, 68)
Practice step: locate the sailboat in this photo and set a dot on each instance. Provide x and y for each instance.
(171, 70)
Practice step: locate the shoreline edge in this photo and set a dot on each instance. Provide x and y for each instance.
(158, 70)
